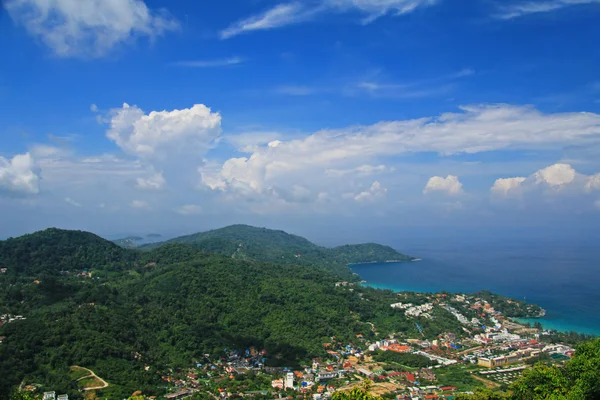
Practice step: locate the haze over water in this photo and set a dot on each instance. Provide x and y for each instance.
(561, 274)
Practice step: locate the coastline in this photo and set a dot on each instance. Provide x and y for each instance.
(548, 321)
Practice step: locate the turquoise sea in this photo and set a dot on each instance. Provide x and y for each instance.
(560, 275)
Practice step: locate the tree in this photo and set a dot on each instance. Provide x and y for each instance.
(24, 395)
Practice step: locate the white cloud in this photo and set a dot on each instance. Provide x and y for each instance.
(162, 133)
(19, 175)
(88, 27)
(209, 63)
(449, 185)
(375, 191)
(556, 175)
(538, 7)
(377, 8)
(593, 183)
(280, 15)
(475, 129)
(295, 12)
(154, 183)
(555, 182)
(72, 202)
(39, 151)
(248, 142)
(505, 186)
(362, 170)
(189, 209)
(597, 204)
(140, 204)
(93, 108)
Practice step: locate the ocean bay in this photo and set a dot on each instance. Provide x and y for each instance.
(560, 276)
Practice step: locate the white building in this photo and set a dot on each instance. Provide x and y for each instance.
(289, 380)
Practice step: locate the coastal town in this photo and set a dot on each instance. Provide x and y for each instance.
(490, 350)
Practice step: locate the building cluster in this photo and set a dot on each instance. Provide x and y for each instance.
(53, 396)
(461, 318)
(8, 318)
(415, 310)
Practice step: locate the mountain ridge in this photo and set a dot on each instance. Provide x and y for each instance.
(263, 244)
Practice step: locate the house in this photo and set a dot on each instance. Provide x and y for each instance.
(49, 396)
(277, 384)
(408, 376)
(325, 375)
(63, 397)
(365, 372)
(448, 388)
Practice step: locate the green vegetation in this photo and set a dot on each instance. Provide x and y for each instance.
(579, 379)
(250, 243)
(55, 250)
(78, 372)
(140, 314)
(405, 359)
(169, 306)
(510, 307)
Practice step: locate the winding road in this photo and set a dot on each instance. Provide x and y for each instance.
(92, 375)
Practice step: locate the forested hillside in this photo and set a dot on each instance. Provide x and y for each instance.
(54, 250)
(168, 306)
(261, 244)
(135, 315)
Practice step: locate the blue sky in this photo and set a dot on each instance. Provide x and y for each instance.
(135, 116)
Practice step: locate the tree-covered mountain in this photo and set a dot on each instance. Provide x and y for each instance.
(168, 306)
(262, 244)
(54, 250)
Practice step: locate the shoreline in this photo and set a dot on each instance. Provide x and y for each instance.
(548, 324)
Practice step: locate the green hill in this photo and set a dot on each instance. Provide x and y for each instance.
(262, 244)
(54, 250)
(171, 305)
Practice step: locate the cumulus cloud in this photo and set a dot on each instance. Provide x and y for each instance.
(375, 191)
(161, 133)
(449, 185)
(88, 28)
(140, 204)
(19, 175)
(505, 186)
(189, 209)
(295, 12)
(348, 152)
(154, 183)
(558, 183)
(593, 183)
(556, 175)
(537, 7)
